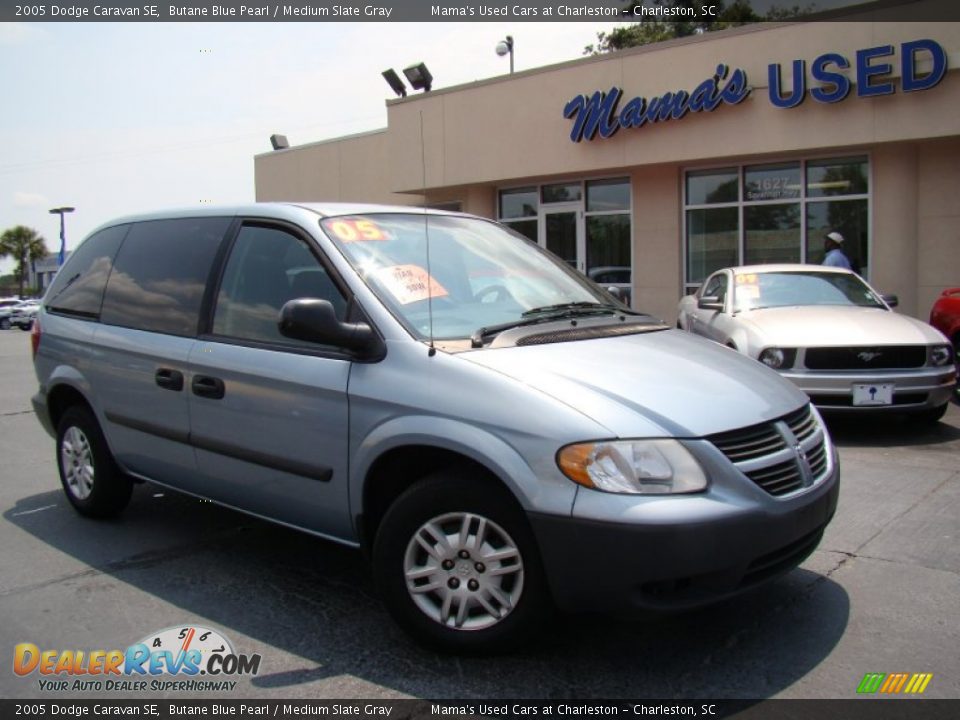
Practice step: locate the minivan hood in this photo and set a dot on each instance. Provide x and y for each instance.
(659, 384)
(837, 326)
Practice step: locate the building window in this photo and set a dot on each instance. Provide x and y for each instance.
(773, 213)
(585, 223)
(519, 209)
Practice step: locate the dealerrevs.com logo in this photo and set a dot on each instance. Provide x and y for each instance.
(182, 658)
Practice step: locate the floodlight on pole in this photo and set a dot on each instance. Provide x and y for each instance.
(394, 81)
(61, 211)
(505, 47)
(419, 77)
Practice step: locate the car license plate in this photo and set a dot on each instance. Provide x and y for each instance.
(878, 394)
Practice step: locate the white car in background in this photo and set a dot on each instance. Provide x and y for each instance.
(23, 314)
(6, 310)
(828, 332)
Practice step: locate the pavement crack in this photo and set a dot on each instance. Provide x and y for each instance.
(17, 412)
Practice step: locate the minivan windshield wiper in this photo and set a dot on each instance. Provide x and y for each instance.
(548, 313)
(573, 308)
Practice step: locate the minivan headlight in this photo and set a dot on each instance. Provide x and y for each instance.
(640, 467)
(941, 355)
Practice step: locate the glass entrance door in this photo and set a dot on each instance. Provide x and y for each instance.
(562, 233)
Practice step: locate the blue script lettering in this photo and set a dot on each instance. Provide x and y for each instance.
(598, 112)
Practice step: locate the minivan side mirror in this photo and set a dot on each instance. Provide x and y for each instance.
(710, 302)
(315, 320)
(891, 300)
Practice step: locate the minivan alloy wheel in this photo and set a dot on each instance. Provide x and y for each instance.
(76, 460)
(93, 483)
(463, 571)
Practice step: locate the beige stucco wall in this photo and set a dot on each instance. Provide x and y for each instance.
(500, 130)
(938, 221)
(349, 169)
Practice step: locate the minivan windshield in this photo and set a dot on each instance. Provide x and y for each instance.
(477, 275)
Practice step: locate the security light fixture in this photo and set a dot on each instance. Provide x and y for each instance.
(279, 142)
(505, 47)
(396, 84)
(419, 77)
(61, 211)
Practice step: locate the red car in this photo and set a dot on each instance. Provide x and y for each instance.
(945, 317)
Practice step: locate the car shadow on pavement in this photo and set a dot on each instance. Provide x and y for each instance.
(315, 603)
(894, 430)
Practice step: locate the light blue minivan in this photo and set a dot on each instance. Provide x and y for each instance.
(497, 432)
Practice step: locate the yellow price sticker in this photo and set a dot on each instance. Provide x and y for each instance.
(356, 230)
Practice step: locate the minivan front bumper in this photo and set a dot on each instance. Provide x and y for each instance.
(592, 564)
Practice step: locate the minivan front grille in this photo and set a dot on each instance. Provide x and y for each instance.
(749, 443)
(781, 456)
(885, 357)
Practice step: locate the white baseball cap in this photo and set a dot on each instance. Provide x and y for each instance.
(835, 236)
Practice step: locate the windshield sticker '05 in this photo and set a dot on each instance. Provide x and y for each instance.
(356, 230)
(409, 283)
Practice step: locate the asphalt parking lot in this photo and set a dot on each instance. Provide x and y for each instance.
(880, 594)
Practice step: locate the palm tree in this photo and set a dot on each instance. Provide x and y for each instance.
(25, 246)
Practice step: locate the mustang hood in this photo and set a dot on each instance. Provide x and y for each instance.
(836, 326)
(665, 383)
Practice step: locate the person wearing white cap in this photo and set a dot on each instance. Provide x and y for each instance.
(833, 247)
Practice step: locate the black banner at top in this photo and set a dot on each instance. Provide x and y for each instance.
(616, 11)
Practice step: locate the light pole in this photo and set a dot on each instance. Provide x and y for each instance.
(61, 211)
(505, 47)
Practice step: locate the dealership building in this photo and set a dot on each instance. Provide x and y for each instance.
(672, 160)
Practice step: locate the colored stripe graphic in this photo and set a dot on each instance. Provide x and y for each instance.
(871, 682)
(894, 683)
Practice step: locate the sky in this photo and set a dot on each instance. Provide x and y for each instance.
(116, 118)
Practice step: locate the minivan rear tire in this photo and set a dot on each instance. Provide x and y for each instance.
(91, 479)
(504, 592)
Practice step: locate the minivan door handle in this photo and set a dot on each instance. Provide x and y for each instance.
(169, 379)
(208, 387)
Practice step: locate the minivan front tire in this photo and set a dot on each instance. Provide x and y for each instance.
(458, 567)
(94, 485)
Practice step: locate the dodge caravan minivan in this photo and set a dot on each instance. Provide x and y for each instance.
(494, 430)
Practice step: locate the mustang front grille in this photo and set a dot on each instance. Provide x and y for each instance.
(886, 357)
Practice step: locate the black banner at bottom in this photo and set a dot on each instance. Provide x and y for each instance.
(858, 709)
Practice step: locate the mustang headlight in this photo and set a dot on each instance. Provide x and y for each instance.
(941, 355)
(778, 358)
(641, 467)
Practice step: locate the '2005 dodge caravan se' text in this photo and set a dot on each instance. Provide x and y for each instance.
(497, 431)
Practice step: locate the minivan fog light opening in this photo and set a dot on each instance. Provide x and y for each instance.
(640, 467)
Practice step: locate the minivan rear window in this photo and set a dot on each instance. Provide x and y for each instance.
(78, 286)
(160, 274)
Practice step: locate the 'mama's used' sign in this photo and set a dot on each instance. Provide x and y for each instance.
(601, 113)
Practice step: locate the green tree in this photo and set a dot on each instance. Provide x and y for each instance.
(25, 246)
(656, 29)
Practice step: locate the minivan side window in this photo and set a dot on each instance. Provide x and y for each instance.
(160, 274)
(79, 285)
(268, 267)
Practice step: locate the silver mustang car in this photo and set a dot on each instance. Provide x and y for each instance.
(830, 333)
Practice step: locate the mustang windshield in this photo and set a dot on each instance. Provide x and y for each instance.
(755, 291)
(479, 277)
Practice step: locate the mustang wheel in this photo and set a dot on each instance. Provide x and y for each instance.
(458, 565)
(94, 484)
